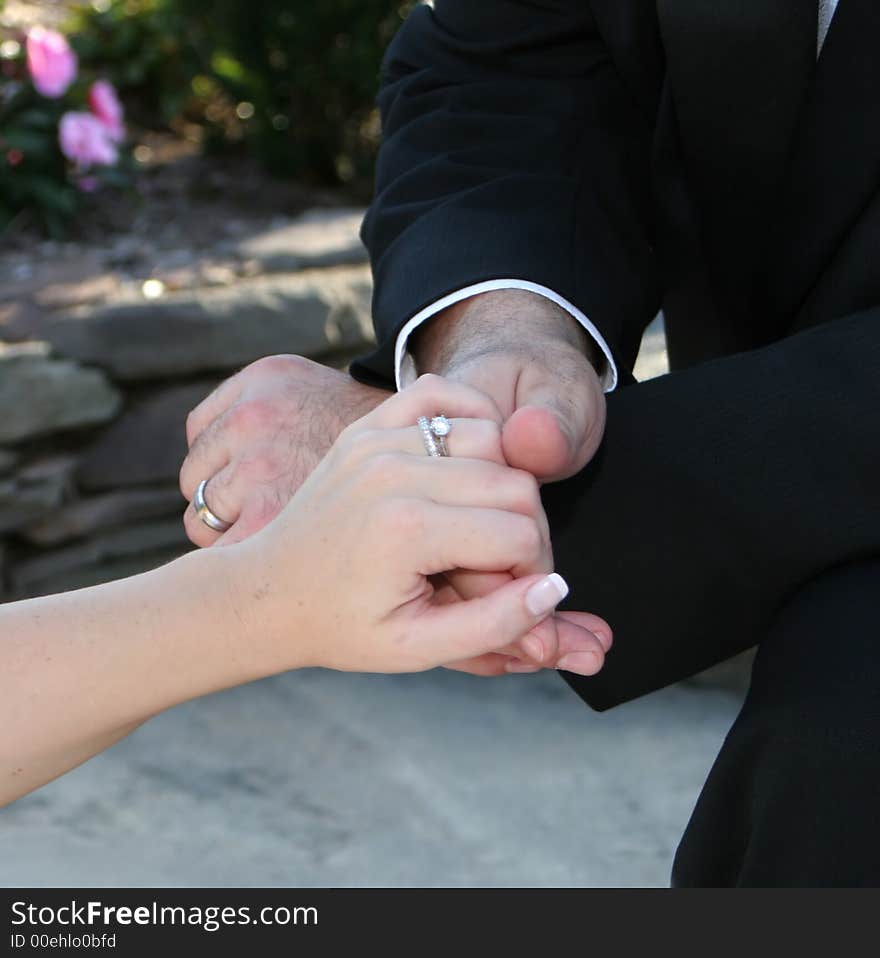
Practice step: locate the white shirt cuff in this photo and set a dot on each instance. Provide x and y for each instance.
(405, 371)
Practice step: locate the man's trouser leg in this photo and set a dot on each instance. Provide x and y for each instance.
(794, 796)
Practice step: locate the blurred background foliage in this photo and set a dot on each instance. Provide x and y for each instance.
(292, 82)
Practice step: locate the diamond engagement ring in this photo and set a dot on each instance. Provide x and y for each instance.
(434, 432)
(205, 514)
(440, 429)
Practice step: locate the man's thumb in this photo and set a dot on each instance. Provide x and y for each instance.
(534, 439)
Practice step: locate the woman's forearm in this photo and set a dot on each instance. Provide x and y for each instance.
(83, 669)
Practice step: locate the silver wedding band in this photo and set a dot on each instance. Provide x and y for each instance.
(204, 513)
(434, 432)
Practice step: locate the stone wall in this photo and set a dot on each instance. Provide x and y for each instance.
(99, 367)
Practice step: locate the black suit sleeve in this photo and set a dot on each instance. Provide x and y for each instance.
(717, 493)
(512, 148)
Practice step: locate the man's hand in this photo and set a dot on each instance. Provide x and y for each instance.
(260, 434)
(536, 362)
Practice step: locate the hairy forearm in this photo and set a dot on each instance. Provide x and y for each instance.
(83, 669)
(512, 319)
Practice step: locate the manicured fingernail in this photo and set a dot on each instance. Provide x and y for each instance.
(518, 666)
(581, 663)
(545, 595)
(533, 647)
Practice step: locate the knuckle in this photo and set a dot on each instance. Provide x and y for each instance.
(427, 389)
(529, 538)
(488, 440)
(349, 453)
(224, 506)
(264, 511)
(400, 518)
(259, 465)
(382, 469)
(428, 380)
(526, 493)
(191, 425)
(354, 439)
(252, 415)
(280, 364)
(347, 436)
(218, 487)
(491, 430)
(184, 480)
(357, 441)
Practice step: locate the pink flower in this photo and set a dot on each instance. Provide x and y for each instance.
(51, 62)
(85, 140)
(104, 103)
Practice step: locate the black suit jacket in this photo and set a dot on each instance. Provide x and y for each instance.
(639, 154)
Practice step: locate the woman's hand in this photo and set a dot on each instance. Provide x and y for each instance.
(345, 576)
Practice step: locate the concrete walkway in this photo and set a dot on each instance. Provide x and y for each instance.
(325, 779)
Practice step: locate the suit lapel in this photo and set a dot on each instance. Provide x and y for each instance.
(835, 167)
(738, 71)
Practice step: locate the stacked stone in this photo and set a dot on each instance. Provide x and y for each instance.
(96, 396)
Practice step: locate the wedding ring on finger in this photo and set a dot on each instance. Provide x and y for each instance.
(211, 520)
(434, 432)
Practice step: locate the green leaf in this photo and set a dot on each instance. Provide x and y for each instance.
(54, 196)
(36, 119)
(29, 142)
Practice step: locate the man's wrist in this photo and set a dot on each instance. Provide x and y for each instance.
(358, 401)
(507, 319)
